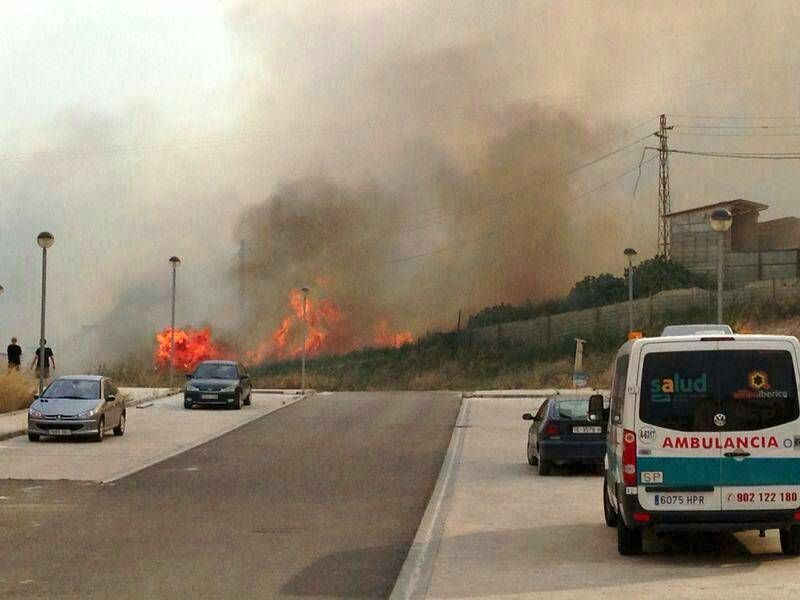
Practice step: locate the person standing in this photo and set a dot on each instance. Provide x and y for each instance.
(48, 360)
(14, 353)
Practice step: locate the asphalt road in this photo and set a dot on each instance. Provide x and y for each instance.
(319, 499)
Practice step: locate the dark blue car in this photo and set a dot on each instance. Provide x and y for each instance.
(562, 433)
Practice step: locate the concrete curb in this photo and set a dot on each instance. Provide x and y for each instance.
(415, 576)
(200, 442)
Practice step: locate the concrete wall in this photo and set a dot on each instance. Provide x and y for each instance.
(613, 319)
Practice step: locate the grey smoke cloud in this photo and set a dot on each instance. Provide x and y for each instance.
(389, 109)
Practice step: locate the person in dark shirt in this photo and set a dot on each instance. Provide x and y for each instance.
(14, 355)
(48, 360)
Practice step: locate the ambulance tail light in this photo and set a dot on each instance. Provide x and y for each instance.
(629, 457)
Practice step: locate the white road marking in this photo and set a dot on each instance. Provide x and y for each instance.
(415, 576)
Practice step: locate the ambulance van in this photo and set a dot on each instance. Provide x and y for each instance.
(703, 434)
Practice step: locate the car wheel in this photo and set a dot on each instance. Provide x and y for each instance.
(608, 511)
(544, 467)
(187, 404)
(101, 430)
(532, 459)
(790, 541)
(33, 437)
(120, 429)
(237, 401)
(629, 541)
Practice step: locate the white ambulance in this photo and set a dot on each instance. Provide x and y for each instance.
(703, 434)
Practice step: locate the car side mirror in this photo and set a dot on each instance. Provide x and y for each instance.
(189, 375)
(527, 417)
(111, 397)
(35, 395)
(596, 410)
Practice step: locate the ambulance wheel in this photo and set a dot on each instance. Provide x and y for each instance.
(608, 511)
(790, 541)
(629, 541)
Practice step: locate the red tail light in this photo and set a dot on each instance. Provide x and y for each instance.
(797, 515)
(551, 429)
(629, 457)
(641, 517)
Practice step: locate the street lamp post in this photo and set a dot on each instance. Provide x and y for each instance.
(45, 240)
(175, 262)
(305, 291)
(720, 221)
(630, 254)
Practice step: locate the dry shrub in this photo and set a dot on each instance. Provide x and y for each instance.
(16, 391)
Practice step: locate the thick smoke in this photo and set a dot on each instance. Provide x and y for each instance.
(403, 159)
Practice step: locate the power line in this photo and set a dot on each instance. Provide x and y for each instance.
(742, 155)
(738, 117)
(752, 135)
(792, 126)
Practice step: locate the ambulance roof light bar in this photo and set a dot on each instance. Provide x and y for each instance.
(697, 329)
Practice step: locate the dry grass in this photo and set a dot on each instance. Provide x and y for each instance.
(16, 391)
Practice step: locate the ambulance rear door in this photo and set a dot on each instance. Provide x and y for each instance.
(678, 451)
(760, 436)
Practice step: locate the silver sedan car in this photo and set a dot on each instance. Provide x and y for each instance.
(77, 406)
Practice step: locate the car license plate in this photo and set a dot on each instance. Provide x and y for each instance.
(587, 429)
(60, 432)
(209, 396)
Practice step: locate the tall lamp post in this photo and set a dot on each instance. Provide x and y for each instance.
(305, 291)
(175, 262)
(630, 254)
(721, 221)
(45, 241)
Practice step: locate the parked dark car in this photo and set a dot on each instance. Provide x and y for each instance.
(77, 406)
(562, 433)
(218, 383)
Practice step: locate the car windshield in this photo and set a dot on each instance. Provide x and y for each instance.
(216, 371)
(574, 409)
(73, 389)
(753, 389)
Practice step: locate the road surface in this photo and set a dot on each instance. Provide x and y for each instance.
(318, 499)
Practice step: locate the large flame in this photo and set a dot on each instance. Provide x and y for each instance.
(323, 317)
(287, 340)
(192, 346)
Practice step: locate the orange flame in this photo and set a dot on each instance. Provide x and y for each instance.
(386, 338)
(192, 346)
(287, 340)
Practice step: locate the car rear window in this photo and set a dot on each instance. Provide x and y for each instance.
(575, 410)
(753, 389)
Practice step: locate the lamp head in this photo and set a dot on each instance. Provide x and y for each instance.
(175, 262)
(305, 289)
(45, 239)
(630, 253)
(721, 220)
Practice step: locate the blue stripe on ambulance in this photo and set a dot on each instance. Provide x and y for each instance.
(726, 471)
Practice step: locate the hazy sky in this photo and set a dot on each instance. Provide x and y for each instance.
(138, 130)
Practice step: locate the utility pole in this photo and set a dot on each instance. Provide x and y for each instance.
(241, 284)
(664, 237)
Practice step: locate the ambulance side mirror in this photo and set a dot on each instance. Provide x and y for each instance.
(596, 412)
